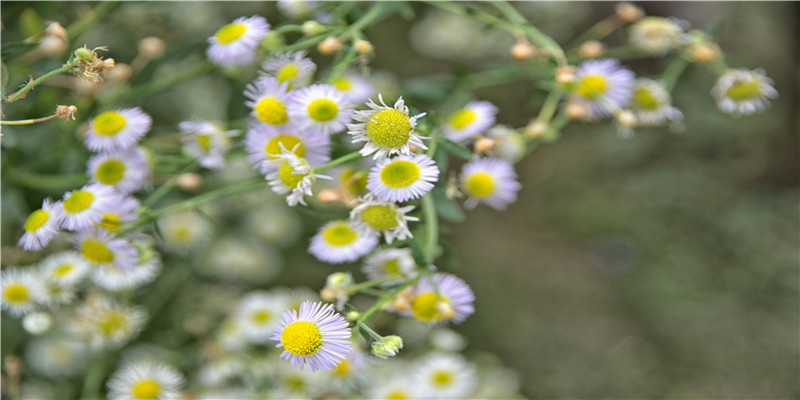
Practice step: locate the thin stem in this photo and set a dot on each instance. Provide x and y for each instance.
(431, 229)
(536, 35)
(93, 379)
(373, 14)
(598, 31)
(89, 19)
(369, 284)
(341, 160)
(165, 84)
(29, 121)
(167, 186)
(386, 298)
(673, 71)
(25, 89)
(549, 107)
(367, 329)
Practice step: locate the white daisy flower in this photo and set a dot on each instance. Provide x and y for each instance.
(509, 144)
(603, 86)
(293, 175)
(125, 170)
(315, 337)
(103, 250)
(292, 67)
(258, 314)
(231, 336)
(145, 380)
(471, 120)
(652, 104)
(376, 216)
(269, 100)
(444, 297)
(66, 268)
(338, 242)
(743, 92)
(84, 207)
(118, 129)
(656, 35)
(264, 145)
(348, 375)
(184, 231)
(105, 322)
(206, 142)
(37, 323)
(321, 108)
(395, 386)
(57, 357)
(23, 289)
(41, 226)
(444, 376)
(492, 181)
(386, 130)
(125, 210)
(143, 272)
(390, 262)
(355, 87)
(296, 8)
(402, 178)
(236, 43)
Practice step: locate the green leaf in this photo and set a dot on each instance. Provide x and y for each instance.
(3, 79)
(455, 148)
(15, 48)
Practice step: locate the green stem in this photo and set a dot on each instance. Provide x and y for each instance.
(534, 34)
(598, 31)
(79, 27)
(373, 14)
(93, 379)
(167, 186)
(549, 107)
(367, 329)
(165, 84)
(341, 160)
(29, 121)
(369, 284)
(673, 71)
(386, 298)
(431, 228)
(289, 28)
(25, 89)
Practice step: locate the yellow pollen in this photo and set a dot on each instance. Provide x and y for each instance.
(480, 184)
(204, 141)
(322, 110)
(343, 369)
(396, 395)
(339, 234)
(301, 338)
(111, 222)
(230, 32)
(273, 148)
(743, 90)
(442, 378)
(79, 200)
(271, 111)
(146, 389)
(286, 175)
(286, 72)
(260, 316)
(113, 321)
(96, 251)
(399, 173)
(180, 234)
(15, 293)
(592, 86)
(392, 266)
(380, 217)
(462, 118)
(341, 83)
(108, 123)
(110, 172)
(35, 220)
(389, 128)
(645, 99)
(425, 306)
(62, 270)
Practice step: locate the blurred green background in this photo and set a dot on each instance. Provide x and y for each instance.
(661, 266)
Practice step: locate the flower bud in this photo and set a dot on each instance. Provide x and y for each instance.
(626, 118)
(120, 73)
(484, 144)
(152, 47)
(363, 46)
(272, 41)
(535, 129)
(565, 74)
(577, 110)
(83, 54)
(37, 323)
(703, 52)
(56, 30)
(108, 65)
(330, 45)
(387, 346)
(628, 12)
(591, 49)
(522, 50)
(328, 195)
(311, 28)
(353, 315)
(189, 181)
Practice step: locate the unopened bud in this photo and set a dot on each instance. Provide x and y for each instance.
(387, 346)
(108, 65)
(577, 110)
(484, 144)
(83, 54)
(66, 112)
(338, 280)
(363, 46)
(52, 46)
(55, 29)
(704, 52)
(120, 73)
(272, 41)
(330, 45)
(591, 49)
(189, 181)
(311, 28)
(353, 315)
(327, 294)
(328, 195)
(626, 118)
(565, 74)
(152, 47)
(628, 12)
(535, 129)
(522, 50)
(37, 323)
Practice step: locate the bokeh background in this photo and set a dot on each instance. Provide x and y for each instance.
(660, 266)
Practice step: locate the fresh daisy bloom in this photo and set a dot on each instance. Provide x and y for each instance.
(339, 242)
(145, 380)
(355, 87)
(390, 262)
(492, 181)
(184, 231)
(652, 104)
(59, 295)
(236, 43)
(385, 217)
(292, 67)
(23, 289)
(475, 118)
(743, 92)
(602, 86)
(269, 100)
(125, 170)
(207, 142)
(84, 207)
(444, 376)
(124, 211)
(386, 130)
(403, 177)
(509, 144)
(41, 226)
(143, 272)
(37, 323)
(321, 108)
(447, 298)
(57, 357)
(67, 268)
(258, 314)
(656, 35)
(394, 386)
(264, 145)
(315, 337)
(293, 175)
(103, 250)
(118, 129)
(105, 322)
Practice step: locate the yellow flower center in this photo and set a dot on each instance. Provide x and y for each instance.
(322, 110)
(396, 395)
(480, 184)
(442, 378)
(96, 251)
(287, 176)
(180, 234)
(230, 32)
(380, 217)
(260, 316)
(79, 200)
(342, 84)
(15, 293)
(644, 98)
(343, 369)
(425, 306)
(204, 141)
(286, 72)
(743, 90)
(62, 270)
(110, 222)
(399, 173)
(108, 123)
(389, 128)
(110, 172)
(146, 389)
(35, 220)
(273, 148)
(271, 111)
(301, 338)
(339, 234)
(462, 118)
(392, 266)
(111, 322)
(592, 86)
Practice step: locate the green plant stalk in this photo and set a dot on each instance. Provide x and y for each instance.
(673, 71)
(535, 35)
(89, 19)
(151, 88)
(93, 379)
(549, 107)
(29, 121)
(25, 89)
(597, 31)
(368, 284)
(431, 228)
(385, 299)
(167, 186)
(341, 160)
(367, 329)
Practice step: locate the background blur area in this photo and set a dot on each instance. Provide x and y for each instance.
(664, 265)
